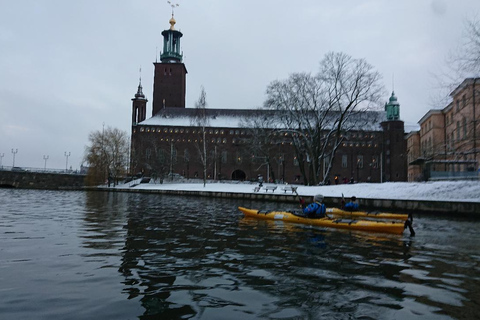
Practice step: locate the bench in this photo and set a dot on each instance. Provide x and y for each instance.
(290, 188)
(256, 189)
(273, 188)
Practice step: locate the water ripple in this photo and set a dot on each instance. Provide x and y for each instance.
(125, 256)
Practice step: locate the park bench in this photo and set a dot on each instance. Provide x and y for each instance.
(256, 189)
(273, 188)
(290, 188)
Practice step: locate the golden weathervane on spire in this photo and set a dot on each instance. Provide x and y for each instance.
(172, 20)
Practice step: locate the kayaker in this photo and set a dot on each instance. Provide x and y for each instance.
(352, 205)
(316, 209)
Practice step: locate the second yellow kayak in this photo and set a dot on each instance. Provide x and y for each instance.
(364, 214)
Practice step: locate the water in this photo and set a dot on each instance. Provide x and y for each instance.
(76, 255)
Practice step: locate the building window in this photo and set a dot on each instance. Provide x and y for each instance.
(375, 162)
(458, 130)
(174, 155)
(224, 156)
(464, 128)
(359, 161)
(344, 161)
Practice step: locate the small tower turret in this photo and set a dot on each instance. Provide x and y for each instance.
(139, 105)
(393, 108)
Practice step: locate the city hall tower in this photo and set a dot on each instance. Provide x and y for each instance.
(169, 83)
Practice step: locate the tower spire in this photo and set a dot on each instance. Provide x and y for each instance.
(139, 95)
(171, 41)
(172, 20)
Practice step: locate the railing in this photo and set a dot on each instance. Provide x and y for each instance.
(454, 175)
(39, 170)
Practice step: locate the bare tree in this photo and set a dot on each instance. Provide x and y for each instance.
(262, 141)
(107, 155)
(200, 120)
(468, 57)
(462, 62)
(316, 111)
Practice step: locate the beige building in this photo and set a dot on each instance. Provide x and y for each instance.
(414, 172)
(446, 147)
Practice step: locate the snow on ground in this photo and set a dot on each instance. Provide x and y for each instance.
(439, 190)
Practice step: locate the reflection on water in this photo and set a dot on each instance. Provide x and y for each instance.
(129, 256)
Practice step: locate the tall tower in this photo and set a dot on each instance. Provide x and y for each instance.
(169, 83)
(139, 105)
(394, 143)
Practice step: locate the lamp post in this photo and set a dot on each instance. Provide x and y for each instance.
(66, 162)
(14, 152)
(1, 160)
(45, 158)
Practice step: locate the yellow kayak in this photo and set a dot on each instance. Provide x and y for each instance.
(362, 225)
(364, 214)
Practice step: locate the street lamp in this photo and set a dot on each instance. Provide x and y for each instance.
(14, 153)
(66, 162)
(45, 158)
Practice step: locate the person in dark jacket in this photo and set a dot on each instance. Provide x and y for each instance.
(352, 205)
(316, 209)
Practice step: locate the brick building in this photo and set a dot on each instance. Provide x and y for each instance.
(446, 147)
(170, 142)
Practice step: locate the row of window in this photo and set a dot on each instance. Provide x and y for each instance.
(242, 132)
(223, 157)
(272, 142)
(460, 132)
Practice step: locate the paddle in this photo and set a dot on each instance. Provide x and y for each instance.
(409, 224)
(301, 200)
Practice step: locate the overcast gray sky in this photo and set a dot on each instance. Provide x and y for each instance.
(67, 67)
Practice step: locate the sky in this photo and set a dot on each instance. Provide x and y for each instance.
(68, 68)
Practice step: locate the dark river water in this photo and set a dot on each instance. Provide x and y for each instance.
(79, 255)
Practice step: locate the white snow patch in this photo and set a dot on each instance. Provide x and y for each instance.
(439, 190)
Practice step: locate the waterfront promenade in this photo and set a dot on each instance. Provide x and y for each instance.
(441, 197)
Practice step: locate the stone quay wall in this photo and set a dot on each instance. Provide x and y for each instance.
(450, 208)
(41, 180)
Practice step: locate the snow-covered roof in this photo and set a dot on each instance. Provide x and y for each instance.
(217, 118)
(235, 118)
